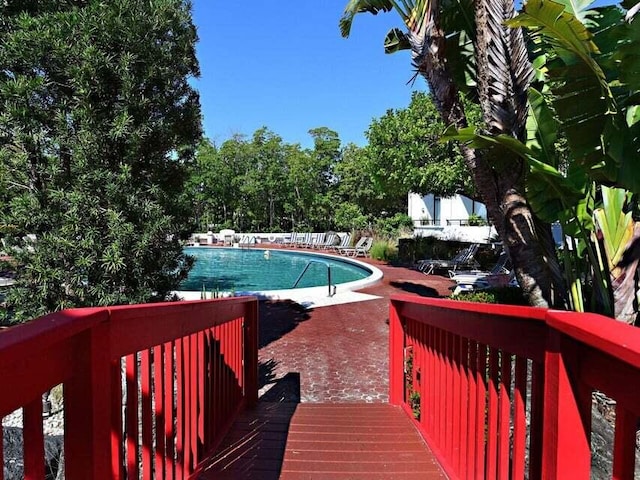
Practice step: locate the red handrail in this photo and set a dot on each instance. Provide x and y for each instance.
(490, 383)
(148, 389)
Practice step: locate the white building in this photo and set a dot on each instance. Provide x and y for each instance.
(448, 218)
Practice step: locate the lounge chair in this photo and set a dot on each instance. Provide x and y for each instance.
(501, 266)
(329, 241)
(303, 240)
(291, 241)
(344, 243)
(361, 248)
(464, 258)
(246, 241)
(498, 276)
(317, 241)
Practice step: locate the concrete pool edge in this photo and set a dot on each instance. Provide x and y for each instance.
(313, 296)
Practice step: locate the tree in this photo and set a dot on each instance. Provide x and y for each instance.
(446, 45)
(406, 154)
(97, 128)
(585, 91)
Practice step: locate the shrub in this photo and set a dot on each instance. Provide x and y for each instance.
(503, 295)
(384, 250)
(476, 220)
(392, 226)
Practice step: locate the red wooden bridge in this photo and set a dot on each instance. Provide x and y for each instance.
(170, 391)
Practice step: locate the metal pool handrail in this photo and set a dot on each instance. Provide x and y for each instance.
(331, 293)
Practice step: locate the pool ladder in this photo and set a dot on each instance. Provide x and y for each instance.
(332, 288)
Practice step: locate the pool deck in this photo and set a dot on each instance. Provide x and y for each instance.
(323, 410)
(336, 353)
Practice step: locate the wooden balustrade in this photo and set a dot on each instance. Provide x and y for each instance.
(148, 389)
(506, 392)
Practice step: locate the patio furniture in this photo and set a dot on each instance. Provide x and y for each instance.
(317, 241)
(464, 258)
(360, 249)
(344, 243)
(246, 241)
(329, 241)
(303, 239)
(498, 276)
(290, 242)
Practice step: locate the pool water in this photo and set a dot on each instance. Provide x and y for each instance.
(236, 269)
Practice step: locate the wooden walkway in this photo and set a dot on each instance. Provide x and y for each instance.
(319, 441)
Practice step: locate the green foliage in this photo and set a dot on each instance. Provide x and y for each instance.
(505, 296)
(476, 220)
(386, 250)
(393, 227)
(98, 125)
(348, 217)
(405, 153)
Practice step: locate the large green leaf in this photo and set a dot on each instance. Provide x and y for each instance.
(549, 192)
(628, 55)
(542, 128)
(362, 6)
(549, 18)
(597, 132)
(462, 62)
(579, 9)
(395, 41)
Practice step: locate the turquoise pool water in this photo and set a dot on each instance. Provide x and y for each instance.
(237, 269)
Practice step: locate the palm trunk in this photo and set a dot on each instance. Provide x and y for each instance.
(503, 78)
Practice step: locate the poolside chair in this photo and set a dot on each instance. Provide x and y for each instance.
(464, 258)
(329, 241)
(317, 241)
(344, 243)
(501, 266)
(291, 241)
(303, 239)
(469, 281)
(246, 241)
(363, 244)
(363, 250)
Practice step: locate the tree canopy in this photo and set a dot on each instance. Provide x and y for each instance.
(97, 129)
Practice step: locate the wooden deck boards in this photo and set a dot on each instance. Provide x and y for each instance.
(322, 441)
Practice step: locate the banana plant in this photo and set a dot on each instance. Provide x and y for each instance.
(585, 93)
(615, 232)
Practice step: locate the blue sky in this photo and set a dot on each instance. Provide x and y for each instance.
(283, 64)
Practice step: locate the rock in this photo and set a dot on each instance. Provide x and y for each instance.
(13, 457)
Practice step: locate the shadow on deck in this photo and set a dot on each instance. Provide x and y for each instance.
(322, 441)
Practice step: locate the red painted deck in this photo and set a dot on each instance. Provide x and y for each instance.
(335, 361)
(501, 391)
(322, 441)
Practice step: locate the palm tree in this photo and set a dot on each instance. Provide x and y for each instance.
(502, 76)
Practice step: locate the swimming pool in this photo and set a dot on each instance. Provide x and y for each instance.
(252, 270)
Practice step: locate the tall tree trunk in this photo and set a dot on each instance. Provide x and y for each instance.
(503, 76)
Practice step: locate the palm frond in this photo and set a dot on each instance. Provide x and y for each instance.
(504, 71)
(362, 6)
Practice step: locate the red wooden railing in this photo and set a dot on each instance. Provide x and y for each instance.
(148, 389)
(506, 392)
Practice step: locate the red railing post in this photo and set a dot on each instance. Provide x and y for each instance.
(250, 353)
(625, 444)
(396, 354)
(566, 449)
(87, 399)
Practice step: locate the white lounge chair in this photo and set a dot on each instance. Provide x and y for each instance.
(361, 248)
(464, 258)
(317, 241)
(498, 276)
(344, 243)
(329, 241)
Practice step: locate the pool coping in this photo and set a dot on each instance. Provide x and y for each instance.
(306, 296)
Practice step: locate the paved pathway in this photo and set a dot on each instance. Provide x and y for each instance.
(337, 353)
